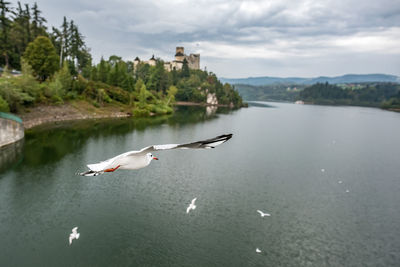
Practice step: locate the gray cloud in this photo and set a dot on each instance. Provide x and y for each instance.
(244, 38)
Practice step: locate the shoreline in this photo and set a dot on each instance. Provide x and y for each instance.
(67, 112)
(185, 103)
(43, 114)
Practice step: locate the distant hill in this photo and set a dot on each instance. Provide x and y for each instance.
(348, 78)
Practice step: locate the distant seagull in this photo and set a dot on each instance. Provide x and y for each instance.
(192, 206)
(258, 250)
(347, 191)
(340, 182)
(73, 235)
(322, 170)
(133, 160)
(263, 214)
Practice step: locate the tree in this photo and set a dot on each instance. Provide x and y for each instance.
(65, 78)
(185, 69)
(102, 71)
(5, 25)
(4, 105)
(171, 94)
(142, 96)
(38, 21)
(42, 56)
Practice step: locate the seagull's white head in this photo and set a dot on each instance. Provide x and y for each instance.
(150, 157)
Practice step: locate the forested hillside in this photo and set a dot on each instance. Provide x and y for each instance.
(56, 66)
(385, 95)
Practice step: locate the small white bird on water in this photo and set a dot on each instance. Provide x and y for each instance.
(73, 235)
(192, 206)
(263, 213)
(133, 160)
(340, 182)
(258, 250)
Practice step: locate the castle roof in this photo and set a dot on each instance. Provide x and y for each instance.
(137, 59)
(152, 58)
(179, 54)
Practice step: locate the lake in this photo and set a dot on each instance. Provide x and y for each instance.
(329, 177)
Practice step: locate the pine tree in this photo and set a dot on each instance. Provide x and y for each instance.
(5, 25)
(185, 69)
(102, 72)
(38, 21)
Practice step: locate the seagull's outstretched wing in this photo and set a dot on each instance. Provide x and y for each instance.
(193, 200)
(74, 230)
(259, 211)
(209, 143)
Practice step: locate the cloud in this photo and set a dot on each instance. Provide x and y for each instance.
(226, 32)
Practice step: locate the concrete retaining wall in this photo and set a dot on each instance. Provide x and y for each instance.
(10, 131)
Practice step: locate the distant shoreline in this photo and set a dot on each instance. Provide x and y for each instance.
(185, 103)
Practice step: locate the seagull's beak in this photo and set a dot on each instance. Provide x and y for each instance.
(155, 158)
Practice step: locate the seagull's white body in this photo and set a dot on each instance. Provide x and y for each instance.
(192, 206)
(340, 182)
(322, 170)
(73, 235)
(263, 213)
(258, 250)
(134, 160)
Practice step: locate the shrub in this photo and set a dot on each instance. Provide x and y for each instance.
(4, 105)
(140, 112)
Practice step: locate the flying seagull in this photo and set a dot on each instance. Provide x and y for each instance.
(133, 160)
(192, 206)
(258, 250)
(73, 235)
(263, 214)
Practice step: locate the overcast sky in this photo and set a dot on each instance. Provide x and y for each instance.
(303, 38)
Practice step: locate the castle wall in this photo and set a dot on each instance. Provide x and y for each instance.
(193, 61)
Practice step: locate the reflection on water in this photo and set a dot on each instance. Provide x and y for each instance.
(210, 110)
(259, 104)
(10, 155)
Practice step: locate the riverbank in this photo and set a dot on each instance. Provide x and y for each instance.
(79, 110)
(70, 111)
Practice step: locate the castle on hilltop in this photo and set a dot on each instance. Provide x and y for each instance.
(193, 61)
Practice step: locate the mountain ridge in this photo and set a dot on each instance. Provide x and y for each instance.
(346, 78)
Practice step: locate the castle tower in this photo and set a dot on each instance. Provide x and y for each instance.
(152, 61)
(180, 49)
(180, 54)
(136, 62)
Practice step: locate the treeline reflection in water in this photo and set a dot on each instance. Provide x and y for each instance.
(50, 143)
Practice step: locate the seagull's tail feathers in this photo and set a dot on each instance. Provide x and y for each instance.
(194, 207)
(89, 173)
(77, 236)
